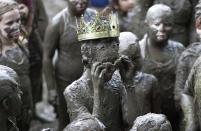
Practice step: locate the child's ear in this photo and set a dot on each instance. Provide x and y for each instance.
(5, 104)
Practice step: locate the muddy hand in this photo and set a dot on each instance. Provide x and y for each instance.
(52, 96)
(97, 73)
(110, 69)
(126, 68)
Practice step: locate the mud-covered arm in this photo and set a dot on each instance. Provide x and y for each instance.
(155, 102)
(42, 18)
(76, 99)
(181, 77)
(30, 19)
(40, 24)
(97, 73)
(98, 105)
(30, 22)
(36, 36)
(75, 102)
(51, 42)
(187, 103)
(189, 114)
(124, 106)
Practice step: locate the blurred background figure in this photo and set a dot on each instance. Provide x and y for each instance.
(39, 25)
(124, 9)
(132, 15)
(139, 13)
(98, 5)
(35, 21)
(182, 10)
(27, 21)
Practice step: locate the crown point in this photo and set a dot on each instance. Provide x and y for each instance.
(101, 26)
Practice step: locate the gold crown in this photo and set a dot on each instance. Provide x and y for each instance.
(7, 5)
(102, 26)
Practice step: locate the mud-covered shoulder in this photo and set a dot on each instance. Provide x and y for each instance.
(190, 82)
(74, 90)
(197, 63)
(177, 45)
(76, 98)
(192, 51)
(152, 78)
(60, 15)
(142, 44)
(148, 78)
(59, 19)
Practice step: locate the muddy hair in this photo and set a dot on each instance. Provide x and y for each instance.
(159, 9)
(9, 78)
(134, 53)
(129, 46)
(152, 121)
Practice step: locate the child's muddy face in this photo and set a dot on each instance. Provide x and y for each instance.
(10, 25)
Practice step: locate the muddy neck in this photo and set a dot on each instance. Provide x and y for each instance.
(158, 45)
